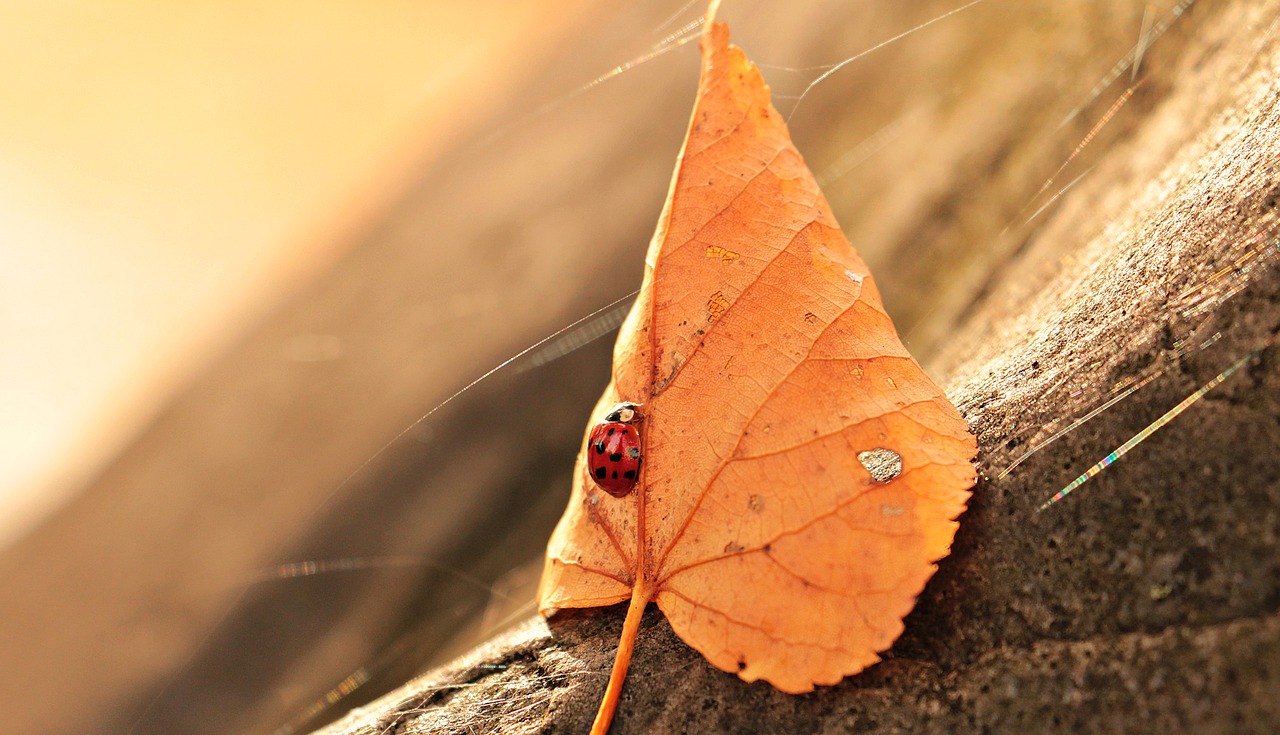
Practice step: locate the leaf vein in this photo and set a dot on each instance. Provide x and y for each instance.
(724, 461)
(799, 529)
(771, 636)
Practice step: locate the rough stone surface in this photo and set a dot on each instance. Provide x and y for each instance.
(1211, 678)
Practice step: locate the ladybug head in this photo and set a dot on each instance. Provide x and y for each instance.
(625, 413)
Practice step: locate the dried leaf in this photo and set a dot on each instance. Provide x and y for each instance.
(801, 474)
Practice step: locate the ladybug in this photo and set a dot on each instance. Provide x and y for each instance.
(613, 450)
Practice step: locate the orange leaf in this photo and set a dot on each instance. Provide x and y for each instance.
(801, 474)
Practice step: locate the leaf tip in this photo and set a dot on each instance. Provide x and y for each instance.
(715, 36)
(712, 8)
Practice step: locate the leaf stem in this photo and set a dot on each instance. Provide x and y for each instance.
(640, 597)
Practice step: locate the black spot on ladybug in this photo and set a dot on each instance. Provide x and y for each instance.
(615, 457)
(615, 474)
(633, 452)
(600, 447)
(611, 432)
(600, 472)
(629, 474)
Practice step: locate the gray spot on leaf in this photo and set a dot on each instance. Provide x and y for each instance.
(884, 464)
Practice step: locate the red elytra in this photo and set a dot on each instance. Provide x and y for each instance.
(613, 451)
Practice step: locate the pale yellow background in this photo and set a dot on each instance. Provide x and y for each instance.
(168, 169)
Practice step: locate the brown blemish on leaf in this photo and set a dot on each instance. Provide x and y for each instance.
(716, 306)
(725, 255)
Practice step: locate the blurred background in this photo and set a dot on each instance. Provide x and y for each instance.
(243, 247)
(168, 171)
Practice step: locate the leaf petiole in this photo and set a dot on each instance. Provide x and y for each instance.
(640, 597)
